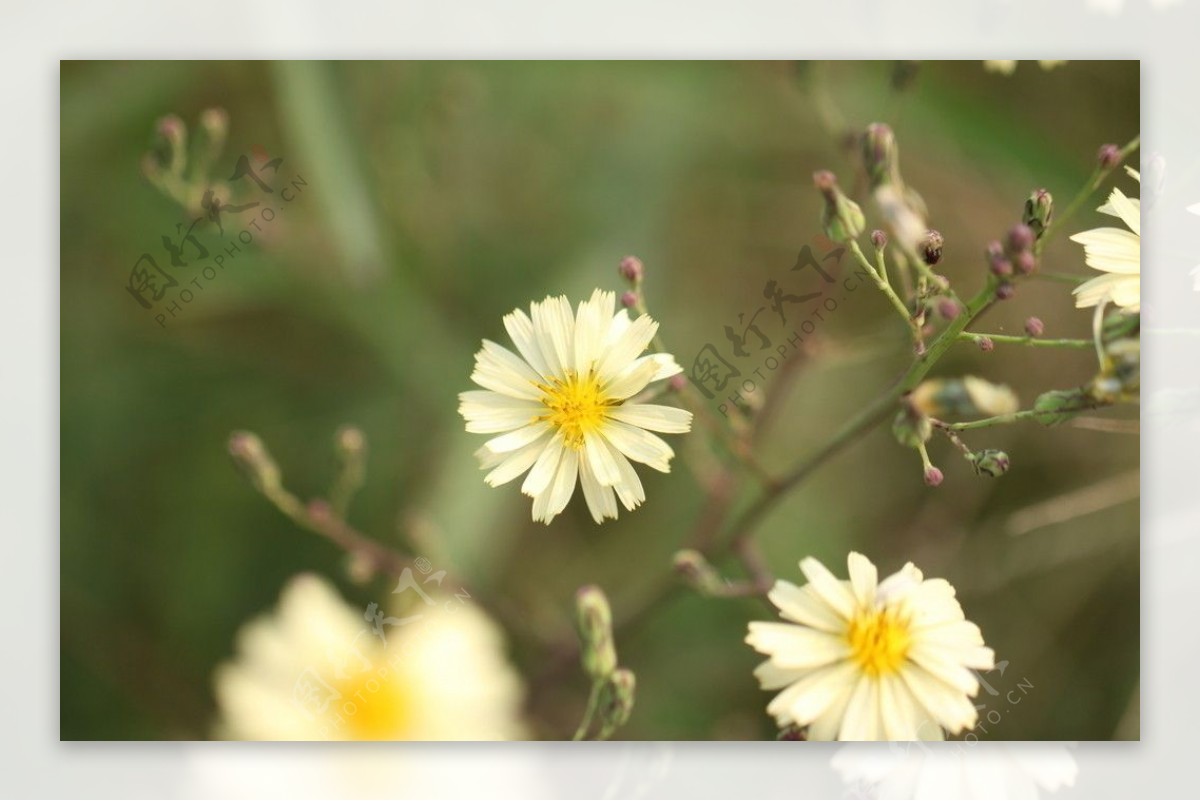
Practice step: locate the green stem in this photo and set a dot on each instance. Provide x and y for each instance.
(886, 289)
(878, 411)
(1028, 341)
(1093, 183)
(590, 713)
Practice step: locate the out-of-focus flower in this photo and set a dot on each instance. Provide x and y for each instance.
(318, 670)
(1004, 67)
(983, 770)
(1117, 253)
(563, 410)
(865, 659)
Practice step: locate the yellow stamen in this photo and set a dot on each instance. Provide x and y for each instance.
(879, 641)
(575, 406)
(371, 707)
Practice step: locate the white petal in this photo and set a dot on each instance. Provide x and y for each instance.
(500, 370)
(862, 720)
(629, 488)
(627, 347)
(951, 709)
(1128, 209)
(600, 499)
(898, 711)
(517, 439)
(833, 591)
(599, 459)
(591, 325)
(516, 463)
(638, 445)
(863, 578)
(563, 486)
(825, 726)
(793, 646)
(804, 605)
(520, 330)
(488, 412)
(630, 381)
(545, 467)
(812, 695)
(772, 677)
(1111, 250)
(667, 419)
(554, 327)
(667, 366)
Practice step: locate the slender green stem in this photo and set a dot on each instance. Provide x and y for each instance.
(1093, 183)
(866, 420)
(886, 289)
(590, 713)
(1031, 342)
(881, 266)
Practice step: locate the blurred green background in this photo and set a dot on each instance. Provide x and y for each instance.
(442, 195)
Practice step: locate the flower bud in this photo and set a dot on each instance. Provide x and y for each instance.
(879, 153)
(931, 247)
(632, 269)
(215, 124)
(933, 476)
(629, 299)
(986, 344)
(1108, 156)
(1005, 291)
(172, 129)
(598, 653)
(677, 382)
(695, 570)
(911, 428)
(252, 457)
(842, 218)
(879, 239)
(1020, 239)
(616, 701)
(998, 263)
(1034, 327)
(350, 442)
(1025, 262)
(1039, 208)
(948, 308)
(990, 462)
(964, 397)
(1055, 406)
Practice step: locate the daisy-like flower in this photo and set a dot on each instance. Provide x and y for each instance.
(562, 408)
(1117, 253)
(870, 660)
(316, 670)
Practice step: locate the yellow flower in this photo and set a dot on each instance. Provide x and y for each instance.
(870, 660)
(563, 408)
(1117, 253)
(317, 669)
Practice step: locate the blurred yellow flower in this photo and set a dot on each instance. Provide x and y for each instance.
(563, 410)
(1115, 252)
(870, 660)
(318, 670)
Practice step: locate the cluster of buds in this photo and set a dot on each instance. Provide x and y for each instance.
(633, 271)
(1016, 256)
(179, 169)
(613, 686)
(696, 571)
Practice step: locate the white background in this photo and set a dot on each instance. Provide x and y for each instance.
(33, 37)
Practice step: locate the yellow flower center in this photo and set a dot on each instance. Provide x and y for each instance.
(374, 705)
(575, 406)
(879, 641)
